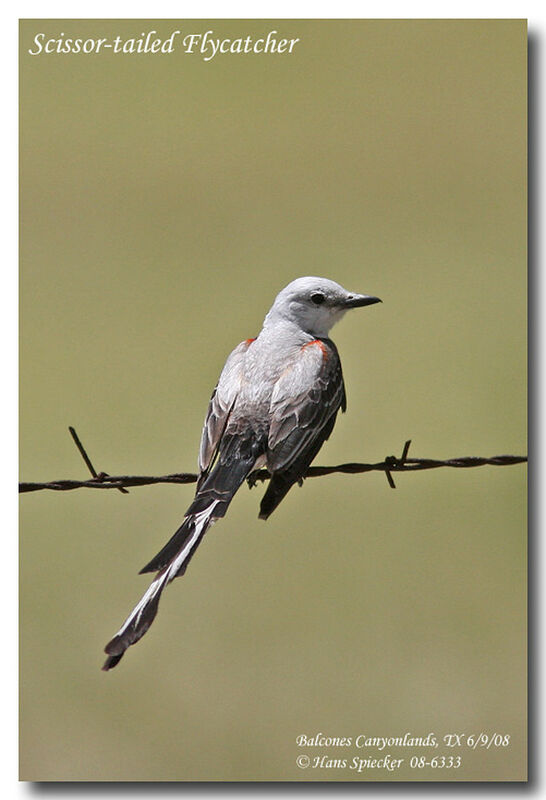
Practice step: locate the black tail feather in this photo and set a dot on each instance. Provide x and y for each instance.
(219, 488)
(213, 497)
(278, 488)
(111, 662)
(140, 623)
(173, 546)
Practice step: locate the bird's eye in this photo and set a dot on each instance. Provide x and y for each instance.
(318, 298)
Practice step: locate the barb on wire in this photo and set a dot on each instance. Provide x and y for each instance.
(101, 475)
(391, 464)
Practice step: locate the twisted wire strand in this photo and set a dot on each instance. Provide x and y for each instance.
(101, 480)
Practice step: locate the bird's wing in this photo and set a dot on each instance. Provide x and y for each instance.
(304, 404)
(220, 407)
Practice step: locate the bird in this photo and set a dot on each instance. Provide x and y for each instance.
(274, 406)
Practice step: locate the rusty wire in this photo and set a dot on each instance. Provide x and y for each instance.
(101, 480)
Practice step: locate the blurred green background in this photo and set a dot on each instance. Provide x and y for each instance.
(164, 203)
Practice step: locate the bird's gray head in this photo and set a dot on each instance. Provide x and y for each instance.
(315, 304)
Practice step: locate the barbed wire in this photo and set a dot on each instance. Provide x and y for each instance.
(102, 480)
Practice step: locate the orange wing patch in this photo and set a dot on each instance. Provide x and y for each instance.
(322, 346)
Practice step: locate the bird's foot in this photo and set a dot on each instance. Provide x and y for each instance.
(252, 479)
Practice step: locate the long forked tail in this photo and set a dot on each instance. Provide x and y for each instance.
(210, 503)
(141, 617)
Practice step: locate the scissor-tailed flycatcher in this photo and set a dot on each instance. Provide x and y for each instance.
(275, 405)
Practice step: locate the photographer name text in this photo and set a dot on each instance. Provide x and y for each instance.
(375, 759)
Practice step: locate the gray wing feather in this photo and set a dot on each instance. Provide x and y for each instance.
(306, 397)
(220, 407)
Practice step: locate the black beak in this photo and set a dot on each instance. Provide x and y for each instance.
(357, 300)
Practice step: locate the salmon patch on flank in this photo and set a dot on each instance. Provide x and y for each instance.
(320, 344)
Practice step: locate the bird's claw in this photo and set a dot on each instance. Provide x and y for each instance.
(252, 479)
